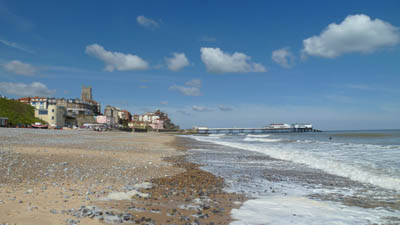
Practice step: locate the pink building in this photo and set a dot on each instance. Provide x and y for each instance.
(101, 119)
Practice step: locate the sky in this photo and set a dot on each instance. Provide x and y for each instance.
(335, 64)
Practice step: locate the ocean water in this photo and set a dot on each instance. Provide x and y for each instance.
(348, 177)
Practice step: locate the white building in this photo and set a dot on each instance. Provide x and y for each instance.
(54, 115)
(279, 126)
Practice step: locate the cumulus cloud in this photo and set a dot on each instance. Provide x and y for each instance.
(191, 88)
(116, 60)
(283, 57)
(357, 33)
(20, 68)
(21, 89)
(198, 108)
(177, 61)
(147, 22)
(216, 61)
(194, 83)
(225, 108)
(16, 46)
(188, 91)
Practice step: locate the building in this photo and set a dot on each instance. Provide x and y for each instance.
(54, 115)
(77, 111)
(86, 94)
(85, 106)
(101, 119)
(38, 102)
(156, 120)
(112, 115)
(3, 121)
(78, 107)
(279, 126)
(157, 125)
(124, 115)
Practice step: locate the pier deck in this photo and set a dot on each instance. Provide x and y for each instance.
(206, 130)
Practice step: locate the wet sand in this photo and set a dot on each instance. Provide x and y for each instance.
(85, 177)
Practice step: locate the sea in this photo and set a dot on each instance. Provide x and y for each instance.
(335, 177)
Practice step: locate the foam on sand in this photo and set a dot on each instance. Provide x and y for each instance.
(118, 196)
(144, 185)
(299, 210)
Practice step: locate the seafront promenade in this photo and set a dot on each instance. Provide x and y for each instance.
(87, 177)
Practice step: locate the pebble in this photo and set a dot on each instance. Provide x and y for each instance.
(54, 211)
(72, 222)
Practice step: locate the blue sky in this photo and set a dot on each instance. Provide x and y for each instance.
(212, 63)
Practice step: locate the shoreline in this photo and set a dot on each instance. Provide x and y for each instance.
(191, 197)
(57, 177)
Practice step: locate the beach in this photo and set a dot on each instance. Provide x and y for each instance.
(87, 177)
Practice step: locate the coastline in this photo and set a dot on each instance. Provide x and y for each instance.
(54, 177)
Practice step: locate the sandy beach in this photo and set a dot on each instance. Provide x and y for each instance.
(86, 177)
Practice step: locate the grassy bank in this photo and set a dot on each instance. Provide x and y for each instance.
(17, 112)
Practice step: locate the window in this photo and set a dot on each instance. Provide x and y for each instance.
(52, 118)
(42, 112)
(52, 110)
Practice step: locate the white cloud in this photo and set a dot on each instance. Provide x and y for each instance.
(283, 57)
(357, 33)
(340, 98)
(20, 68)
(16, 46)
(164, 102)
(198, 108)
(188, 91)
(225, 108)
(192, 88)
(147, 22)
(194, 83)
(360, 87)
(116, 60)
(21, 89)
(177, 61)
(216, 61)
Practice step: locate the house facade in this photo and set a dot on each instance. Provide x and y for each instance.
(54, 115)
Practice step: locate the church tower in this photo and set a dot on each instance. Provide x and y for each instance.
(86, 93)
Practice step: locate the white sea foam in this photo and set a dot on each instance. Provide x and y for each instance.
(299, 210)
(216, 135)
(262, 139)
(258, 135)
(332, 166)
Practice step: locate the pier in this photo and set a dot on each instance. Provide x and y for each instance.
(206, 130)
